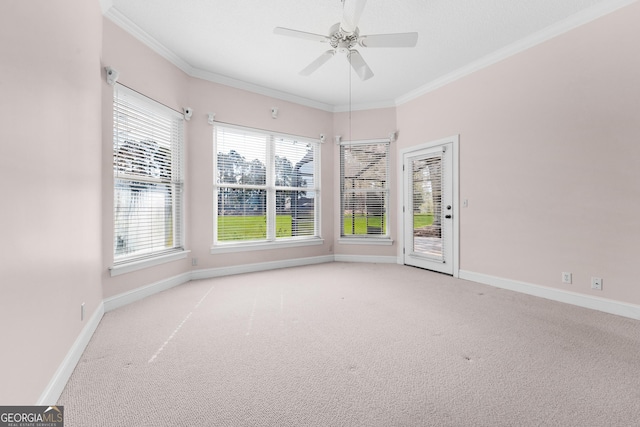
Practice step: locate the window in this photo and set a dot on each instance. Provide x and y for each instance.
(364, 189)
(148, 178)
(266, 186)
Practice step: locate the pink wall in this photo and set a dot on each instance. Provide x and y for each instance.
(548, 162)
(244, 108)
(362, 125)
(146, 72)
(549, 158)
(50, 169)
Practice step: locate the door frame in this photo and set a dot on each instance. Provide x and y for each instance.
(407, 152)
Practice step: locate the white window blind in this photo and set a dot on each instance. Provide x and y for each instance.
(148, 177)
(364, 189)
(266, 186)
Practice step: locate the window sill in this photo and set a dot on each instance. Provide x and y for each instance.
(385, 241)
(139, 265)
(256, 246)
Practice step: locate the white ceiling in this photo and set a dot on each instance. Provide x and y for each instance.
(232, 41)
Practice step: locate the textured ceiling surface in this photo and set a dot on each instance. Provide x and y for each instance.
(233, 41)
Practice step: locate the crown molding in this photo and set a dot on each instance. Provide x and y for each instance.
(261, 90)
(546, 34)
(105, 6)
(364, 106)
(129, 26)
(541, 36)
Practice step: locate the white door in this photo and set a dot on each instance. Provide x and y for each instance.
(429, 208)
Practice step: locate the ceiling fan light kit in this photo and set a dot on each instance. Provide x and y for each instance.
(344, 36)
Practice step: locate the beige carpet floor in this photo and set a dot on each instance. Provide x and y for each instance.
(344, 344)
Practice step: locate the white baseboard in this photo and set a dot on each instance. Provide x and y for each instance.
(123, 299)
(57, 384)
(587, 301)
(137, 294)
(379, 259)
(262, 266)
(55, 387)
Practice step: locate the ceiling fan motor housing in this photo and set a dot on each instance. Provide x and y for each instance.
(345, 35)
(342, 40)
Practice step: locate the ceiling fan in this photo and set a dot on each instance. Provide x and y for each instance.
(344, 36)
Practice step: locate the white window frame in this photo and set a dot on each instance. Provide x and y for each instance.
(145, 110)
(271, 241)
(365, 239)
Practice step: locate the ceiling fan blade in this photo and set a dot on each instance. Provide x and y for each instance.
(300, 34)
(359, 65)
(389, 40)
(318, 62)
(351, 12)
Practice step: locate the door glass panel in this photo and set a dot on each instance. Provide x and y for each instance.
(427, 207)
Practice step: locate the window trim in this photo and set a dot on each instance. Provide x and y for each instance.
(256, 245)
(365, 239)
(128, 267)
(273, 242)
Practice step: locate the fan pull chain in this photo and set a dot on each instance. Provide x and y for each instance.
(350, 77)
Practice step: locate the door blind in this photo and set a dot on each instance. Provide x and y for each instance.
(148, 177)
(426, 203)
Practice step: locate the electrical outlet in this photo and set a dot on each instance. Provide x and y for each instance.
(194, 261)
(596, 283)
(82, 312)
(566, 277)
(465, 203)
